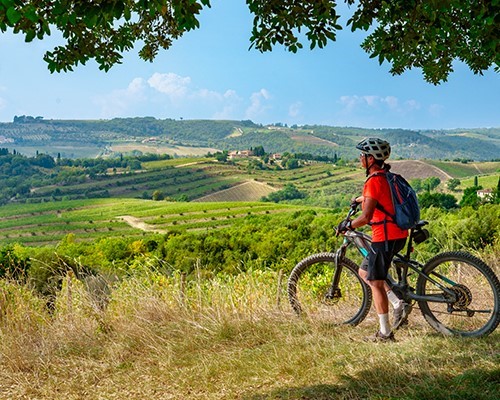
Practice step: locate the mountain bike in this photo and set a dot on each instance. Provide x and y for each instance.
(457, 293)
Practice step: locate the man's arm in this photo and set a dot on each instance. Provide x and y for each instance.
(366, 216)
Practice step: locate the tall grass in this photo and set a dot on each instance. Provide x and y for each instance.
(229, 337)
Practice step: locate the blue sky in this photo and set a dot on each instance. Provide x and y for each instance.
(211, 74)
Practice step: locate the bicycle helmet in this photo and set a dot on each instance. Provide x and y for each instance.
(378, 148)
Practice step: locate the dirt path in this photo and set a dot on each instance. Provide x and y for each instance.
(139, 224)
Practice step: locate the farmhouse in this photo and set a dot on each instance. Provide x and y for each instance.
(240, 154)
(485, 194)
(151, 140)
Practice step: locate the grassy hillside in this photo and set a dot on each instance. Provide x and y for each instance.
(194, 179)
(246, 191)
(48, 223)
(225, 339)
(73, 139)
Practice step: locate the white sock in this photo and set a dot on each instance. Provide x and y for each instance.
(385, 328)
(395, 300)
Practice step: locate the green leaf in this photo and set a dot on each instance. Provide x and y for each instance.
(30, 13)
(13, 15)
(127, 13)
(7, 3)
(30, 35)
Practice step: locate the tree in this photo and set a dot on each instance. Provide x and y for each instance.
(440, 200)
(453, 183)
(158, 195)
(426, 34)
(259, 151)
(289, 192)
(431, 183)
(470, 197)
(496, 194)
(221, 156)
(291, 163)
(416, 184)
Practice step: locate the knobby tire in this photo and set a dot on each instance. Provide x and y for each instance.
(476, 311)
(310, 280)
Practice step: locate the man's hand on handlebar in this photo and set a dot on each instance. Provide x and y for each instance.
(356, 201)
(344, 226)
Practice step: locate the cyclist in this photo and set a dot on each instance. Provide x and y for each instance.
(387, 237)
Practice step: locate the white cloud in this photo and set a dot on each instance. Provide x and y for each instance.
(350, 102)
(435, 110)
(412, 105)
(357, 103)
(391, 101)
(231, 103)
(258, 104)
(370, 100)
(173, 85)
(169, 94)
(295, 109)
(119, 102)
(136, 86)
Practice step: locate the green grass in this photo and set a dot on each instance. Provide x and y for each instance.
(198, 177)
(92, 219)
(487, 182)
(224, 339)
(461, 170)
(175, 162)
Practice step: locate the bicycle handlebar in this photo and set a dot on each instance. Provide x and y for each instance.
(352, 210)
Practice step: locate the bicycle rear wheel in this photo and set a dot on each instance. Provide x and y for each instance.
(310, 282)
(475, 309)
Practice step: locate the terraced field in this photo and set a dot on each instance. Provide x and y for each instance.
(219, 194)
(48, 223)
(246, 191)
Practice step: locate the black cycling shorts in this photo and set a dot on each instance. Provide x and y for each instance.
(378, 261)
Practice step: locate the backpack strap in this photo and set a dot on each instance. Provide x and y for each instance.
(380, 206)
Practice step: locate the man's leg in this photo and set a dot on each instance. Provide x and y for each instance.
(380, 301)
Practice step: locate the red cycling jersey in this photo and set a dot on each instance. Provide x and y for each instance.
(378, 189)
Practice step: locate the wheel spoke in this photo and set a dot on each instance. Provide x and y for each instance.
(311, 295)
(472, 295)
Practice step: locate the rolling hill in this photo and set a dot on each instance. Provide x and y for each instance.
(75, 139)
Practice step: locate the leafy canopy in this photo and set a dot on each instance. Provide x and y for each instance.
(426, 34)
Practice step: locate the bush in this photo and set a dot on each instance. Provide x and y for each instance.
(289, 192)
(440, 200)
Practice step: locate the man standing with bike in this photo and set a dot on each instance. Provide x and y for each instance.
(387, 237)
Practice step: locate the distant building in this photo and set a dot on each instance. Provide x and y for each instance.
(239, 154)
(151, 140)
(485, 194)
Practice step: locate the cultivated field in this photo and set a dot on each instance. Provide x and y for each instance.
(418, 169)
(201, 181)
(246, 191)
(204, 179)
(173, 150)
(48, 223)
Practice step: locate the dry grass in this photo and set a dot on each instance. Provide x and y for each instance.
(227, 338)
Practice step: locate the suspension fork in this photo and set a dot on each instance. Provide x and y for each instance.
(334, 291)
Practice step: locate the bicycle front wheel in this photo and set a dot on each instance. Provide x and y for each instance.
(310, 291)
(472, 297)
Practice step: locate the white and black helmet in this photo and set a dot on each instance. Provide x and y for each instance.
(378, 148)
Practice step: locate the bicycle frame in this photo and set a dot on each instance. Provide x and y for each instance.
(403, 263)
